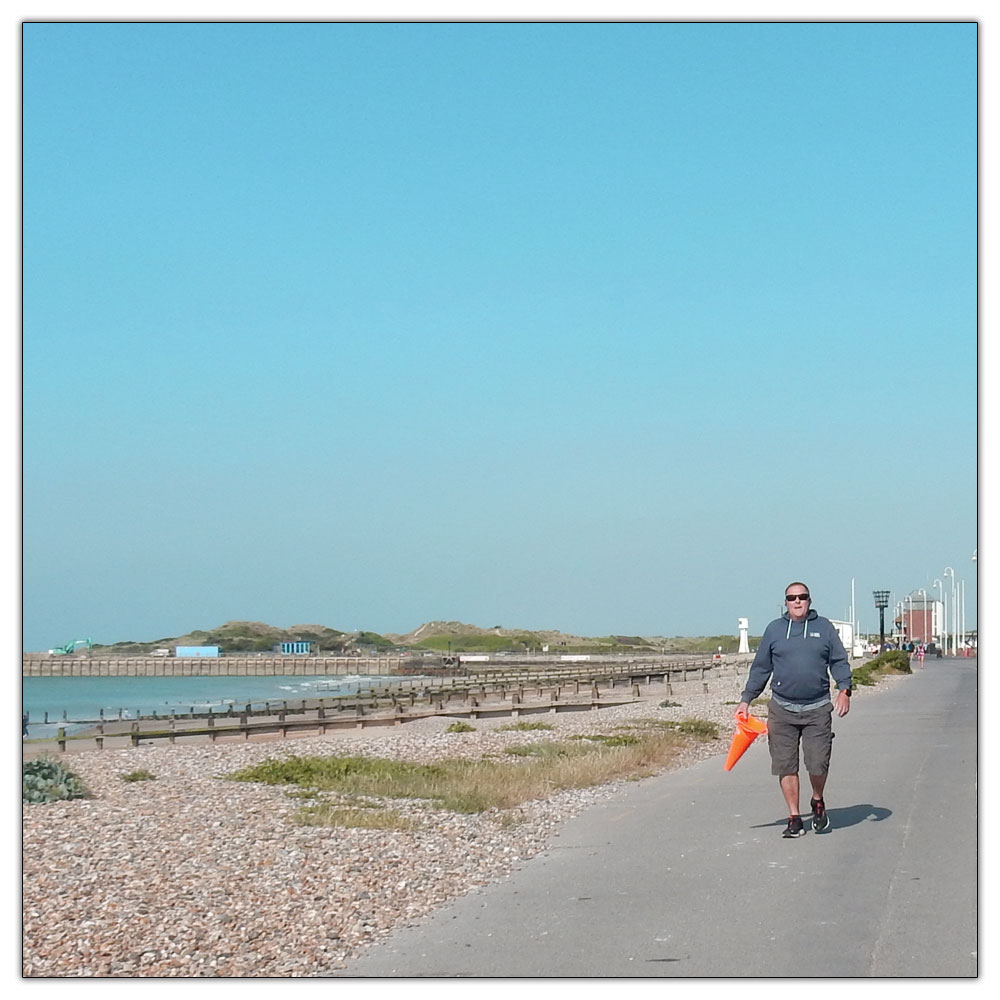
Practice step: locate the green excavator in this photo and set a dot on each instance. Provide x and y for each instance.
(70, 647)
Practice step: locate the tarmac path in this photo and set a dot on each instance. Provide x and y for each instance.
(687, 875)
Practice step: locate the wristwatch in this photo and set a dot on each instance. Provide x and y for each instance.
(846, 691)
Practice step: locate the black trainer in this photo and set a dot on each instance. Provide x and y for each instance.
(821, 821)
(794, 828)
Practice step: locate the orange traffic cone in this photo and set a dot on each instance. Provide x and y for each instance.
(747, 730)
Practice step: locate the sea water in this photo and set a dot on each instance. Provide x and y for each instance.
(71, 701)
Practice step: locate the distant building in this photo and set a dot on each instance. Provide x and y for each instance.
(297, 648)
(196, 651)
(852, 646)
(921, 617)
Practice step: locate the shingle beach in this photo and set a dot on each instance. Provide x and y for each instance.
(187, 875)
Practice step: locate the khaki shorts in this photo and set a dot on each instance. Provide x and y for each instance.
(785, 730)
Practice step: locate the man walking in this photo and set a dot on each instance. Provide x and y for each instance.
(799, 652)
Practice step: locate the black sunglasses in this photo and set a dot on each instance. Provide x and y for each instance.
(796, 597)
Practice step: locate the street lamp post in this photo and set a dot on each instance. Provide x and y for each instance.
(923, 615)
(941, 625)
(954, 608)
(881, 602)
(962, 632)
(909, 620)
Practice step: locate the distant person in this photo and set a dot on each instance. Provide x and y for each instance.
(798, 653)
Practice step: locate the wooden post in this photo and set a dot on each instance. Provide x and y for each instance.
(134, 734)
(100, 742)
(61, 739)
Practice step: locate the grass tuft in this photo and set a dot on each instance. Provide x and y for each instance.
(353, 817)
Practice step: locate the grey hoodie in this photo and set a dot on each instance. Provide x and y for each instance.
(799, 658)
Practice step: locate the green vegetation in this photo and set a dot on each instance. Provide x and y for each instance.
(365, 817)
(706, 644)
(43, 780)
(609, 740)
(460, 727)
(700, 728)
(239, 637)
(379, 642)
(548, 750)
(470, 642)
(895, 661)
(471, 786)
(140, 775)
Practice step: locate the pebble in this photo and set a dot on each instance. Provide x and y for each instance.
(190, 876)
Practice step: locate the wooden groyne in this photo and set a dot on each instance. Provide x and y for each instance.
(392, 702)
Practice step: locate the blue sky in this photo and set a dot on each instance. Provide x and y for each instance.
(597, 327)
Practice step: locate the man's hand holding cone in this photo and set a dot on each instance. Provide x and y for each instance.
(747, 730)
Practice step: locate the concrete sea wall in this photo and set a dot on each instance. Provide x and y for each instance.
(34, 665)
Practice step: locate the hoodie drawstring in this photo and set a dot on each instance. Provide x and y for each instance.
(788, 631)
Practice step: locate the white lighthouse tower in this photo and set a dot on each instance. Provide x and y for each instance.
(744, 626)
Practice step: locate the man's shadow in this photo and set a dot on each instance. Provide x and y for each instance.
(842, 817)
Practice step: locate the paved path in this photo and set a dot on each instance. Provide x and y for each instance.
(687, 874)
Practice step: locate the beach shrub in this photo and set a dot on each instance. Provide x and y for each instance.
(862, 676)
(141, 775)
(524, 727)
(43, 780)
(460, 727)
(893, 661)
